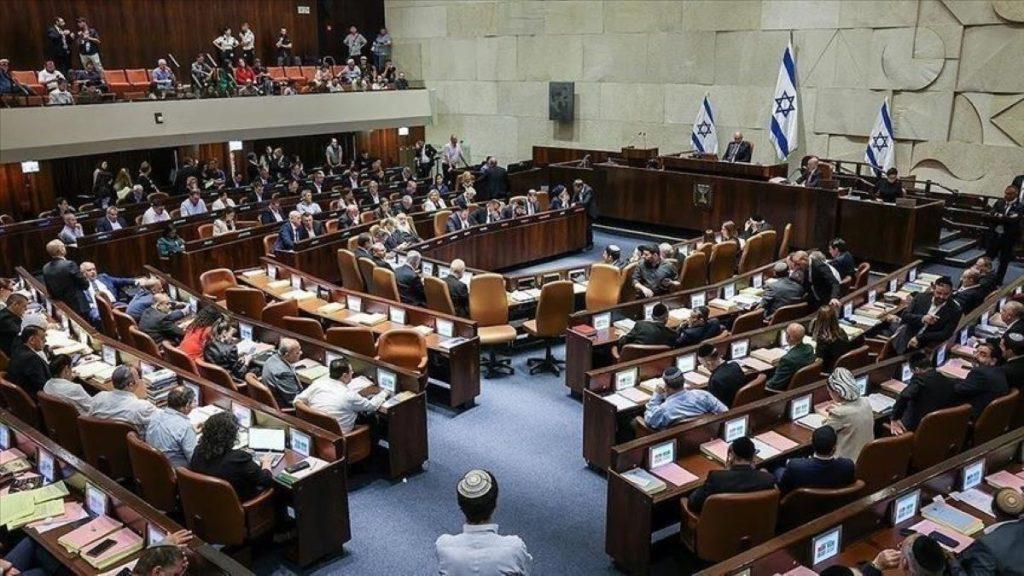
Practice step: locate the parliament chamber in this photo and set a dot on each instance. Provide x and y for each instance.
(292, 286)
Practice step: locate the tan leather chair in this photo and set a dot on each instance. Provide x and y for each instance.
(884, 461)
(214, 513)
(694, 272)
(940, 435)
(352, 243)
(766, 249)
(805, 504)
(603, 287)
(106, 312)
(789, 313)
(439, 298)
(350, 277)
(367, 217)
(722, 262)
(749, 254)
(384, 285)
(124, 322)
(854, 359)
(309, 327)
(488, 307)
(215, 282)
(259, 392)
(105, 446)
(366, 267)
(556, 304)
(216, 374)
(748, 321)
(403, 347)
(248, 302)
(20, 403)
(358, 442)
(153, 474)
(806, 375)
(636, 351)
(144, 342)
(994, 421)
(331, 225)
(269, 241)
(60, 422)
(179, 359)
(860, 278)
(275, 312)
(787, 237)
(205, 230)
(441, 222)
(730, 523)
(750, 392)
(358, 339)
(626, 291)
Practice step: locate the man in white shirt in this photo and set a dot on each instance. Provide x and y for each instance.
(71, 231)
(248, 43)
(333, 154)
(61, 385)
(338, 396)
(351, 72)
(307, 206)
(451, 155)
(193, 204)
(155, 213)
(170, 431)
(49, 76)
(121, 403)
(60, 95)
(355, 42)
(479, 549)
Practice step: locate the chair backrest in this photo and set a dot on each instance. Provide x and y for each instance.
(854, 359)
(215, 374)
(212, 509)
(806, 375)
(750, 392)
(765, 249)
(269, 241)
(748, 321)
(317, 418)
(787, 237)
(366, 267)
(248, 302)
(384, 284)
(996, 419)
(358, 339)
(153, 474)
(731, 523)
(626, 291)
(144, 342)
(259, 392)
(940, 435)
(805, 504)
(636, 351)
(694, 273)
(860, 277)
(105, 445)
(488, 303)
(722, 263)
(352, 243)
(124, 322)
(884, 461)
(60, 421)
(441, 221)
(790, 312)
(20, 403)
(367, 217)
(749, 254)
(215, 282)
(403, 347)
(350, 277)
(603, 287)
(205, 230)
(275, 312)
(556, 304)
(310, 327)
(107, 317)
(438, 296)
(175, 356)
(137, 76)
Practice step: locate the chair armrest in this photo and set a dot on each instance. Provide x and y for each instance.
(688, 525)
(259, 513)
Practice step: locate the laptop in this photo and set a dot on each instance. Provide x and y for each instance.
(266, 439)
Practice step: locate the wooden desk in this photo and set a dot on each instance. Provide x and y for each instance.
(123, 506)
(888, 233)
(682, 163)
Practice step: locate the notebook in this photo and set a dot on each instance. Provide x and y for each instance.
(645, 481)
(278, 284)
(881, 403)
(636, 395)
(763, 450)
(651, 385)
(777, 441)
(309, 374)
(674, 473)
(330, 308)
(1004, 479)
(956, 368)
(927, 527)
(40, 511)
(9, 455)
(769, 355)
(88, 533)
(127, 542)
(716, 449)
(951, 517)
(368, 319)
(894, 386)
(73, 512)
(812, 421)
(755, 364)
(298, 295)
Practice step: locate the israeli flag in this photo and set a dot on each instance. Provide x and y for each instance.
(783, 128)
(881, 150)
(704, 137)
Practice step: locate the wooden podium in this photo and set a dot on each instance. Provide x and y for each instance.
(889, 233)
(638, 156)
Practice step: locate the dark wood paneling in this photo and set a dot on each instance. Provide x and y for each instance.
(384, 143)
(337, 15)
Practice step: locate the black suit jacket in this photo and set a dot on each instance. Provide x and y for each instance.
(104, 225)
(649, 332)
(59, 47)
(815, 473)
(736, 480)
(982, 385)
(821, 285)
(586, 198)
(809, 179)
(845, 265)
(1014, 371)
(949, 315)
(924, 394)
(27, 369)
(1011, 223)
(361, 252)
(238, 469)
(725, 381)
(970, 298)
(410, 285)
(456, 223)
(65, 282)
(10, 328)
(459, 293)
(161, 326)
(689, 335)
(267, 217)
(738, 151)
(494, 183)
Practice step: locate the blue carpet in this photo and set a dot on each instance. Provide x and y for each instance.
(602, 238)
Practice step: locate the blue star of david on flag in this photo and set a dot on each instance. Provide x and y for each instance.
(784, 104)
(881, 142)
(881, 151)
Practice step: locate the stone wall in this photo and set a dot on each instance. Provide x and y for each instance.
(953, 70)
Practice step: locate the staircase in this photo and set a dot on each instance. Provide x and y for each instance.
(954, 249)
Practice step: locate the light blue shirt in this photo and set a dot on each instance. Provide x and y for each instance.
(662, 412)
(170, 432)
(480, 550)
(190, 209)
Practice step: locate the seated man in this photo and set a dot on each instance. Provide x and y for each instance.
(333, 397)
(350, 218)
(143, 299)
(971, 293)
(1012, 345)
(170, 431)
(821, 470)
(613, 255)
(10, 321)
(810, 175)
(651, 332)
(726, 376)
(698, 328)
(112, 221)
(313, 228)
(364, 242)
(738, 149)
(929, 320)
(378, 253)
(739, 477)
(306, 205)
(28, 366)
(673, 402)
(986, 276)
(985, 381)
(652, 277)
(998, 549)
(800, 354)
(479, 549)
(458, 291)
(278, 374)
(62, 386)
(1012, 314)
(919, 555)
(458, 220)
(291, 232)
(72, 229)
(273, 213)
(928, 390)
(786, 288)
(410, 284)
(121, 403)
(159, 321)
(841, 260)
(113, 287)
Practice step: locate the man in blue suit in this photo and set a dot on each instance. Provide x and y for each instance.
(822, 470)
(291, 232)
(110, 222)
(112, 287)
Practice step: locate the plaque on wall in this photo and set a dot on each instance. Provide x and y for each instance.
(702, 196)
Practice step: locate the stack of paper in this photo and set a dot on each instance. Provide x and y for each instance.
(852, 332)
(675, 474)
(776, 440)
(956, 368)
(330, 308)
(645, 481)
(812, 421)
(695, 379)
(86, 534)
(624, 325)
(927, 527)
(894, 386)
(755, 364)
(10, 455)
(298, 295)
(746, 301)
(769, 355)
(723, 304)
(39, 511)
(636, 395)
(92, 369)
(520, 296)
(424, 330)
(1004, 479)
(751, 291)
(310, 373)
(198, 416)
(368, 319)
(397, 399)
(449, 343)
(881, 403)
(716, 449)
(278, 284)
(951, 517)
(126, 543)
(254, 273)
(679, 315)
(651, 384)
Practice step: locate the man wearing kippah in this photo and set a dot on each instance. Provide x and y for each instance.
(919, 555)
(999, 550)
(122, 403)
(479, 550)
(672, 402)
(1013, 351)
(653, 332)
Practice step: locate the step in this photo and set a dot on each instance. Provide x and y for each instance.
(965, 258)
(954, 247)
(947, 234)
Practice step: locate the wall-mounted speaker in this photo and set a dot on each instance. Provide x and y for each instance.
(560, 101)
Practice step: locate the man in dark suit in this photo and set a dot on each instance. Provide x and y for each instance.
(698, 328)
(459, 220)
(928, 390)
(28, 368)
(10, 321)
(457, 289)
(726, 377)
(930, 319)
(583, 195)
(114, 288)
(800, 354)
(1012, 345)
(181, 177)
(494, 183)
(1005, 229)
(313, 228)
(1012, 314)
(986, 275)
(810, 176)
(64, 281)
(821, 281)
(273, 212)
(971, 293)
(60, 40)
(651, 332)
(985, 381)
(786, 288)
(410, 285)
(363, 244)
(291, 232)
(110, 222)
(159, 321)
(350, 218)
(822, 470)
(739, 477)
(738, 150)
(998, 550)
(841, 260)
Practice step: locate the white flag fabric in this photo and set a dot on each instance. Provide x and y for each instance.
(704, 137)
(881, 150)
(783, 127)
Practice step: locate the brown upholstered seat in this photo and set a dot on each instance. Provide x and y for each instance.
(358, 442)
(350, 276)
(790, 313)
(940, 435)
(154, 477)
(205, 230)
(259, 392)
(366, 267)
(384, 284)
(358, 339)
(441, 222)
(722, 262)
(806, 375)
(124, 322)
(309, 327)
(854, 359)
(884, 461)
(106, 312)
(730, 523)
(748, 321)
(269, 241)
(997, 418)
(248, 302)
(175, 356)
(488, 306)
(20, 403)
(403, 347)
(215, 282)
(275, 312)
(216, 374)
(105, 446)
(438, 297)
(144, 342)
(636, 351)
(60, 422)
(805, 504)
(556, 304)
(603, 287)
(787, 237)
(694, 273)
(750, 392)
(626, 291)
(860, 278)
(215, 514)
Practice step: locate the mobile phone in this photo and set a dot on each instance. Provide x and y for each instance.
(101, 547)
(297, 467)
(906, 532)
(943, 539)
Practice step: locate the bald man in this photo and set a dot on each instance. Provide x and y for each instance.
(738, 150)
(800, 354)
(64, 280)
(457, 289)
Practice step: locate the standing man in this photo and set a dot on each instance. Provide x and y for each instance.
(88, 40)
(381, 48)
(738, 150)
(284, 48)
(1006, 232)
(333, 154)
(451, 155)
(583, 195)
(248, 43)
(494, 183)
(355, 42)
(64, 281)
(60, 40)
